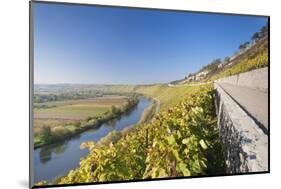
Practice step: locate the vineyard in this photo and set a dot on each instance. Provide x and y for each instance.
(185, 137)
(168, 96)
(257, 58)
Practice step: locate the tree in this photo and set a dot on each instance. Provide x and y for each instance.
(46, 134)
(114, 110)
(256, 36)
(244, 45)
(216, 61)
(247, 43)
(226, 59)
(264, 31)
(212, 66)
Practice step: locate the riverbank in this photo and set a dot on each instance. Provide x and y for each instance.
(50, 136)
(146, 116)
(150, 111)
(144, 106)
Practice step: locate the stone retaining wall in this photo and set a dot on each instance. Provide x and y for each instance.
(245, 144)
(256, 79)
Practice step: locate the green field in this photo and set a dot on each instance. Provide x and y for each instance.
(71, 112)
(168, 96)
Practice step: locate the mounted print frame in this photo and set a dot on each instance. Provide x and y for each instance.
(125, 94)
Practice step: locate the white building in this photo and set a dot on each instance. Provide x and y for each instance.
(201, 75)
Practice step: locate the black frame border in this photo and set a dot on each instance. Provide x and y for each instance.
(31, 83)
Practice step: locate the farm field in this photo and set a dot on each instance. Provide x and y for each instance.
(78, 109)
(71, 112)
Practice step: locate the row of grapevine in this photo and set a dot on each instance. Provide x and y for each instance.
(182, 141)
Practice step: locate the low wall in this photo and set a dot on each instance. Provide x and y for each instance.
(256, 79)
(245, 144)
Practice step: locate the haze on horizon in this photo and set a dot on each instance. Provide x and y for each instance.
(104, 45)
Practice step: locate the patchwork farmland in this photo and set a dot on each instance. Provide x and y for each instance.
(66, 112)
(78, 109)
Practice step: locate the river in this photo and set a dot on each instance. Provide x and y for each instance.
(58, 159)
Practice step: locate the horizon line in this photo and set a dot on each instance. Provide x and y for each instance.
(99, 83)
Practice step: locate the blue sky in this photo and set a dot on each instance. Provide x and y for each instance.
(104, 45)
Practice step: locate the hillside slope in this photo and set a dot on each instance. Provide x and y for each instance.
(168, 96)
(253, 57)
(185, 136)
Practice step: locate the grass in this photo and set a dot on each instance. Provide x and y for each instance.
(168, 96)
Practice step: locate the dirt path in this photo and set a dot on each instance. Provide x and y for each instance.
(158, 103)
(192, 84)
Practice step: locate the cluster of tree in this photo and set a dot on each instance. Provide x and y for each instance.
(131, 101)
(47, 134)
(43, 106)
(213, 66)
(226, 59)
(256, 36)
(244, 45)
(261, 34)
